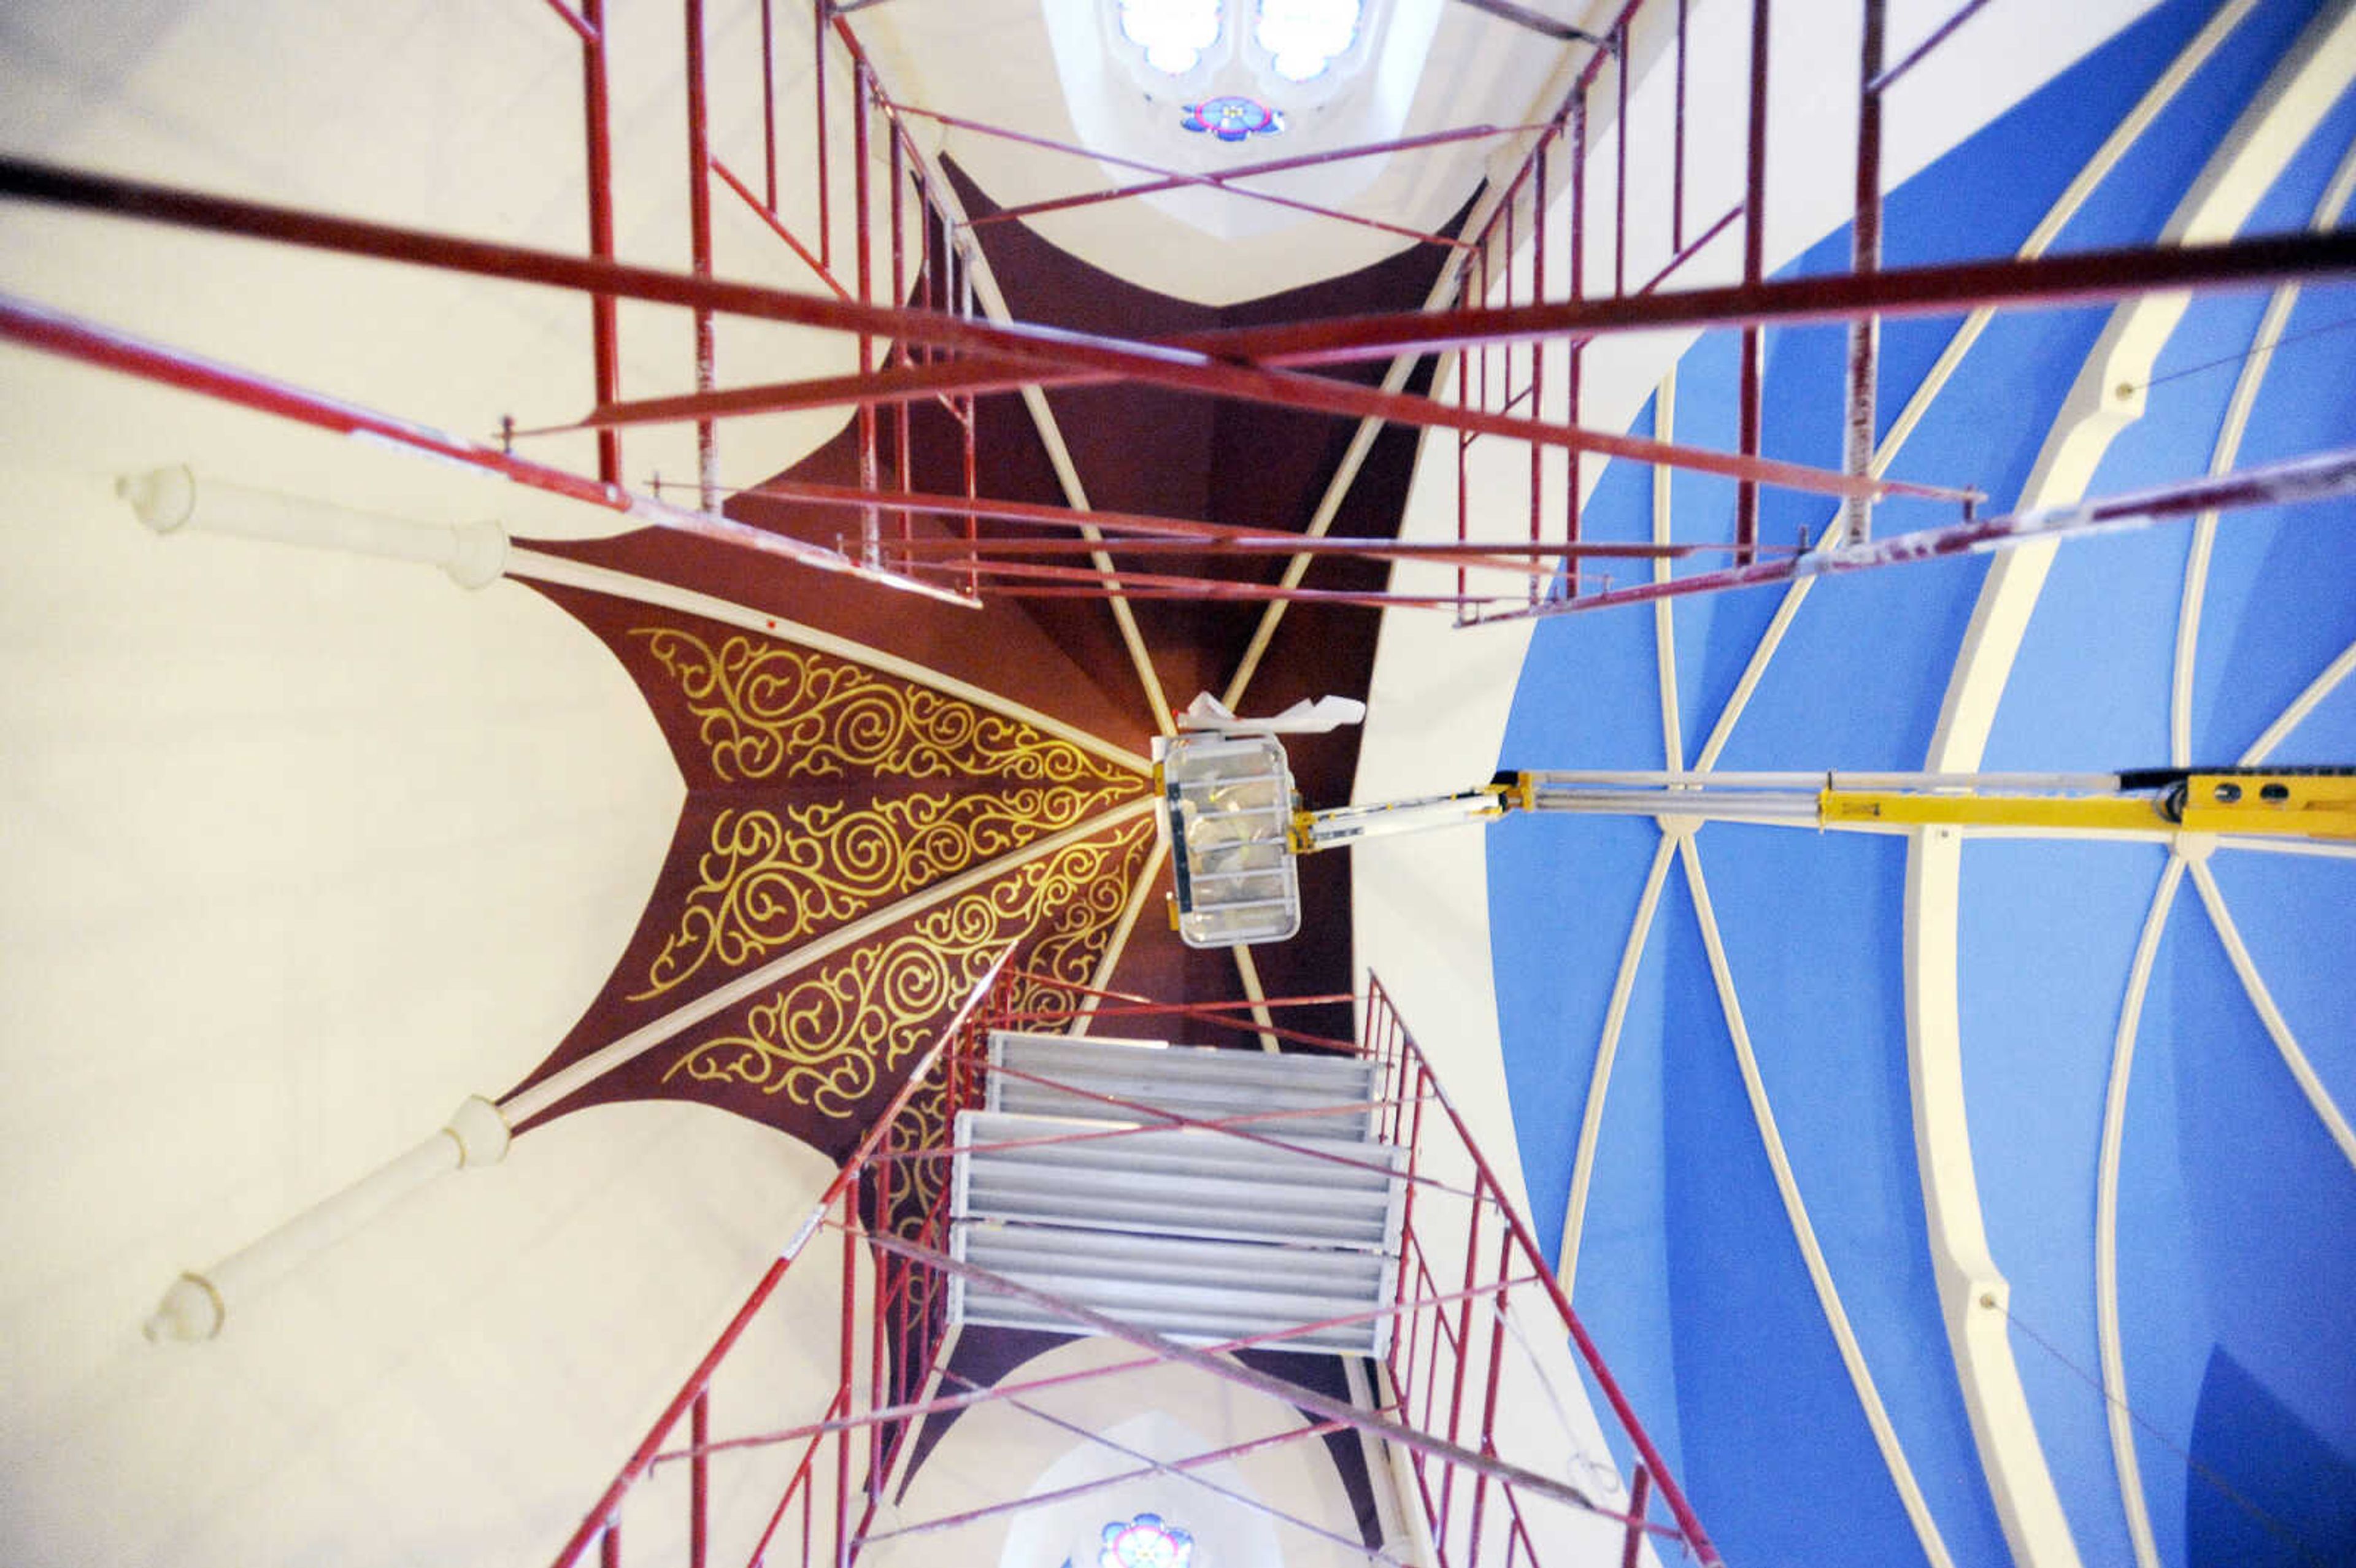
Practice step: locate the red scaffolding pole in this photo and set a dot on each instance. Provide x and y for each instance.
(1469, 1474)
(939, 351)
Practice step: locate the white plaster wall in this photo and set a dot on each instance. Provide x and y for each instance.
(444, 116)
(455, 1384)
(300, 849)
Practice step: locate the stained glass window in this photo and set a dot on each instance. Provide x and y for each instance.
(1304, 35)
(1173, 33)
(1145, 1542)
(1232, 117)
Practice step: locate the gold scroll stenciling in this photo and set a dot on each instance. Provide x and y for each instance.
(914, 1186)
(766, 710)
(771, 879)
(829, 1041)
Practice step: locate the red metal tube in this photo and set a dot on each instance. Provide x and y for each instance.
(1191, 1462)
(1204, 1011)
(796, 1483)
(1496, 1372)
(778, 227)
(1246, 171)
(916, 1409)
(1461, 1341)
(699, 1481)
(701, 1378)
(818, 93)
(1537, 350)
(601, 1517)
(38, 327)
(1880, 80)
(1463, 413)
(1372, 599)
(1281, 388)
(972, 523)
(880, 1314)
(1865, 259)
(1234, 1127)
(699, 220)
(1678, 154)
(1178, 178)
(2074, 278)
(899, 296)
(584, 28)
(2318, 477)
(1098, 1134)
(2053, 281)
(863, 93)
(1207, 361)
(842, 1440)
(604, 339)
(1534, 20)
(1690, 251)
(1309, 1401)
(1696, 1537)
(1505, 556)
(1620, 184)
(769, 99)
(1120, 580)
(1640, 1490)
(1578, 292)
(1754, 242)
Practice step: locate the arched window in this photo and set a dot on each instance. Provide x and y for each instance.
(1303, 37)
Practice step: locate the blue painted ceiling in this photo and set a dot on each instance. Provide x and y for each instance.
(2236, 1237)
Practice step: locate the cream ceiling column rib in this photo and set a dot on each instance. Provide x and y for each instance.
(1361, 439)
(2222, 460)
(1664, 625)
(1852, 1354)
(2106, 398)
(2073, 197)
(1051, 435)
(2115, 1409)
(2278, 1029)
(552, 1089)
(1067, 474)
(198, 1305)
(2305, 703)
(2040, 239)
(1148, 883)
(1673, 832)
(1606, 1053)
(533, 565)
(1329, 506)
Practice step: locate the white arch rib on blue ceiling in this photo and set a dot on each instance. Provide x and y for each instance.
(1809, 924)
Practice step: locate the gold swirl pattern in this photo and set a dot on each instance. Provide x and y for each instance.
(829, 1041)
(917, 1184)
(771, 879)
(767, 709)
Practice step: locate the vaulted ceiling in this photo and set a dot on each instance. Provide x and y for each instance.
(308, 847)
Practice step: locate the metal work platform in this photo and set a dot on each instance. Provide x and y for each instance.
(1201, 1194)
(1187, 1203)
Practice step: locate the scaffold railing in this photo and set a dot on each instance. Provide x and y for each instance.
(1466, 1421)
(1521, 280)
